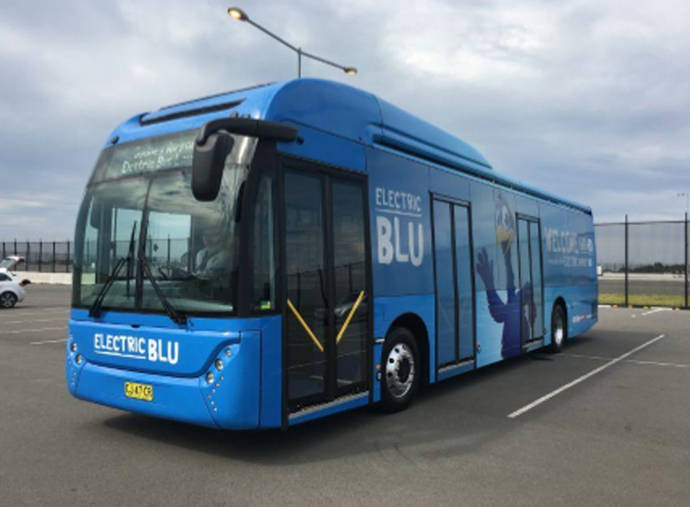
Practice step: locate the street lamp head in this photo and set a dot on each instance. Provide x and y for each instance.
(238, 14)
(350, 71)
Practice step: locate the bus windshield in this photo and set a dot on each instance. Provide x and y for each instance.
(149, 221)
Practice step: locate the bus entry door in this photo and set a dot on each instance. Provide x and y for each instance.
(326, 318)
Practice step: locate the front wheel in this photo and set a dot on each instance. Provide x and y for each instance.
(7, 300)
(401, 370)
(558, 329)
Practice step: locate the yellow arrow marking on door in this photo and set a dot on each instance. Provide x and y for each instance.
(305, 326)
(349, 317)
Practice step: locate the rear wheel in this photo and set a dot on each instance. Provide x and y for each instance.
(7, 300)
(558, 328)
(401, 370)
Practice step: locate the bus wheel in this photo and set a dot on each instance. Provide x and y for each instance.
(558, 328)
(8, 300)
(401, 370)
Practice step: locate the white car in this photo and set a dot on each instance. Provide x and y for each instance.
(11, 288)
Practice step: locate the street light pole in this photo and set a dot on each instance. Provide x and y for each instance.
(687, 199)
(238, 14)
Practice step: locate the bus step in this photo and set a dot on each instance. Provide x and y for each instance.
(329, 404)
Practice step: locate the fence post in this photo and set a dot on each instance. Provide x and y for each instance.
(626, 260)
(686, 259)
(3, 250)
(53, 256)
(67, 261)
(15, 246)
(40, 255)
(28, 254)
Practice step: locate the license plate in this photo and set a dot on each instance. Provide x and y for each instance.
(139, 391)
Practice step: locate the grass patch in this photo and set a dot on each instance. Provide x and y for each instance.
(607, 298)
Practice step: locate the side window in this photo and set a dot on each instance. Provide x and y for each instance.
(4, 278)
(264, 247)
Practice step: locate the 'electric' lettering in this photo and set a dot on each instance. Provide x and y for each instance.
(136, 347)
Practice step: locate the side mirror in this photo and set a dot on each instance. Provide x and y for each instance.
(208, 163)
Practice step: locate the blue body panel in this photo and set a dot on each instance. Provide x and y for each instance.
(150, 349)
(408, 163)
(388, 309)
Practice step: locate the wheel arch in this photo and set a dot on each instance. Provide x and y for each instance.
(416, 325)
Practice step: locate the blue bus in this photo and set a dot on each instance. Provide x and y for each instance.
(275, 254)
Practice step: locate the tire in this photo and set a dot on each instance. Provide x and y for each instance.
(402, 370)
(559, 329)
(7, 300)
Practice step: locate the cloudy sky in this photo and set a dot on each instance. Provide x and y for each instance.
(587, 99)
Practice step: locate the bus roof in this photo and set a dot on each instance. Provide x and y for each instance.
(338, 109)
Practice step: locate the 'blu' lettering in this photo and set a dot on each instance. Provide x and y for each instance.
(392, 246)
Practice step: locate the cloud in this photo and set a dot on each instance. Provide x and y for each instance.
(582, 98)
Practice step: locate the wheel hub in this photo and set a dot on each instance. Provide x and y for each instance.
(400, 370)
(558, 330)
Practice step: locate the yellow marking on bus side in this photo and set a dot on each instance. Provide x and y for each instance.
(349, 317)
(304, 325)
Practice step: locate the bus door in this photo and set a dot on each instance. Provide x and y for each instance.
(530, 280)
(454, 277)
(327, 307)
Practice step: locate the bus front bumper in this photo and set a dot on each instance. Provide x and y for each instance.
(229, 401)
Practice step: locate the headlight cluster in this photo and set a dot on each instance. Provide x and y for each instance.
(74, 349)
(214, 376)
(74, 361)
(218, 366)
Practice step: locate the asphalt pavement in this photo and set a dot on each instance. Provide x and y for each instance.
(607, 422)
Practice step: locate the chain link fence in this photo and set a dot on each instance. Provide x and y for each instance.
(42, 256)
(643, 263)
(638, 263)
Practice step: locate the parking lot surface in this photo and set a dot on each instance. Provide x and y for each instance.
(605, 422)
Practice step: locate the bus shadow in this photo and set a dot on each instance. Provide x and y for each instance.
(452, 418)
(440, 423)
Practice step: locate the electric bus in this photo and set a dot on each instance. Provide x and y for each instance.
(275, 254)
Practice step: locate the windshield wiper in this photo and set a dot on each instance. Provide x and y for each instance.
(175, 315)
(130, 256)
(95, 309)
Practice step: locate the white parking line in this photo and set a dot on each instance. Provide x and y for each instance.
(63, 340)
(584, 377)
(655, 310)
(32, 330)
(33, 320)
(632, 361)
(18, 313)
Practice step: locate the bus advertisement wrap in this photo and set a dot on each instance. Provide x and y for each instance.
(342, 266)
